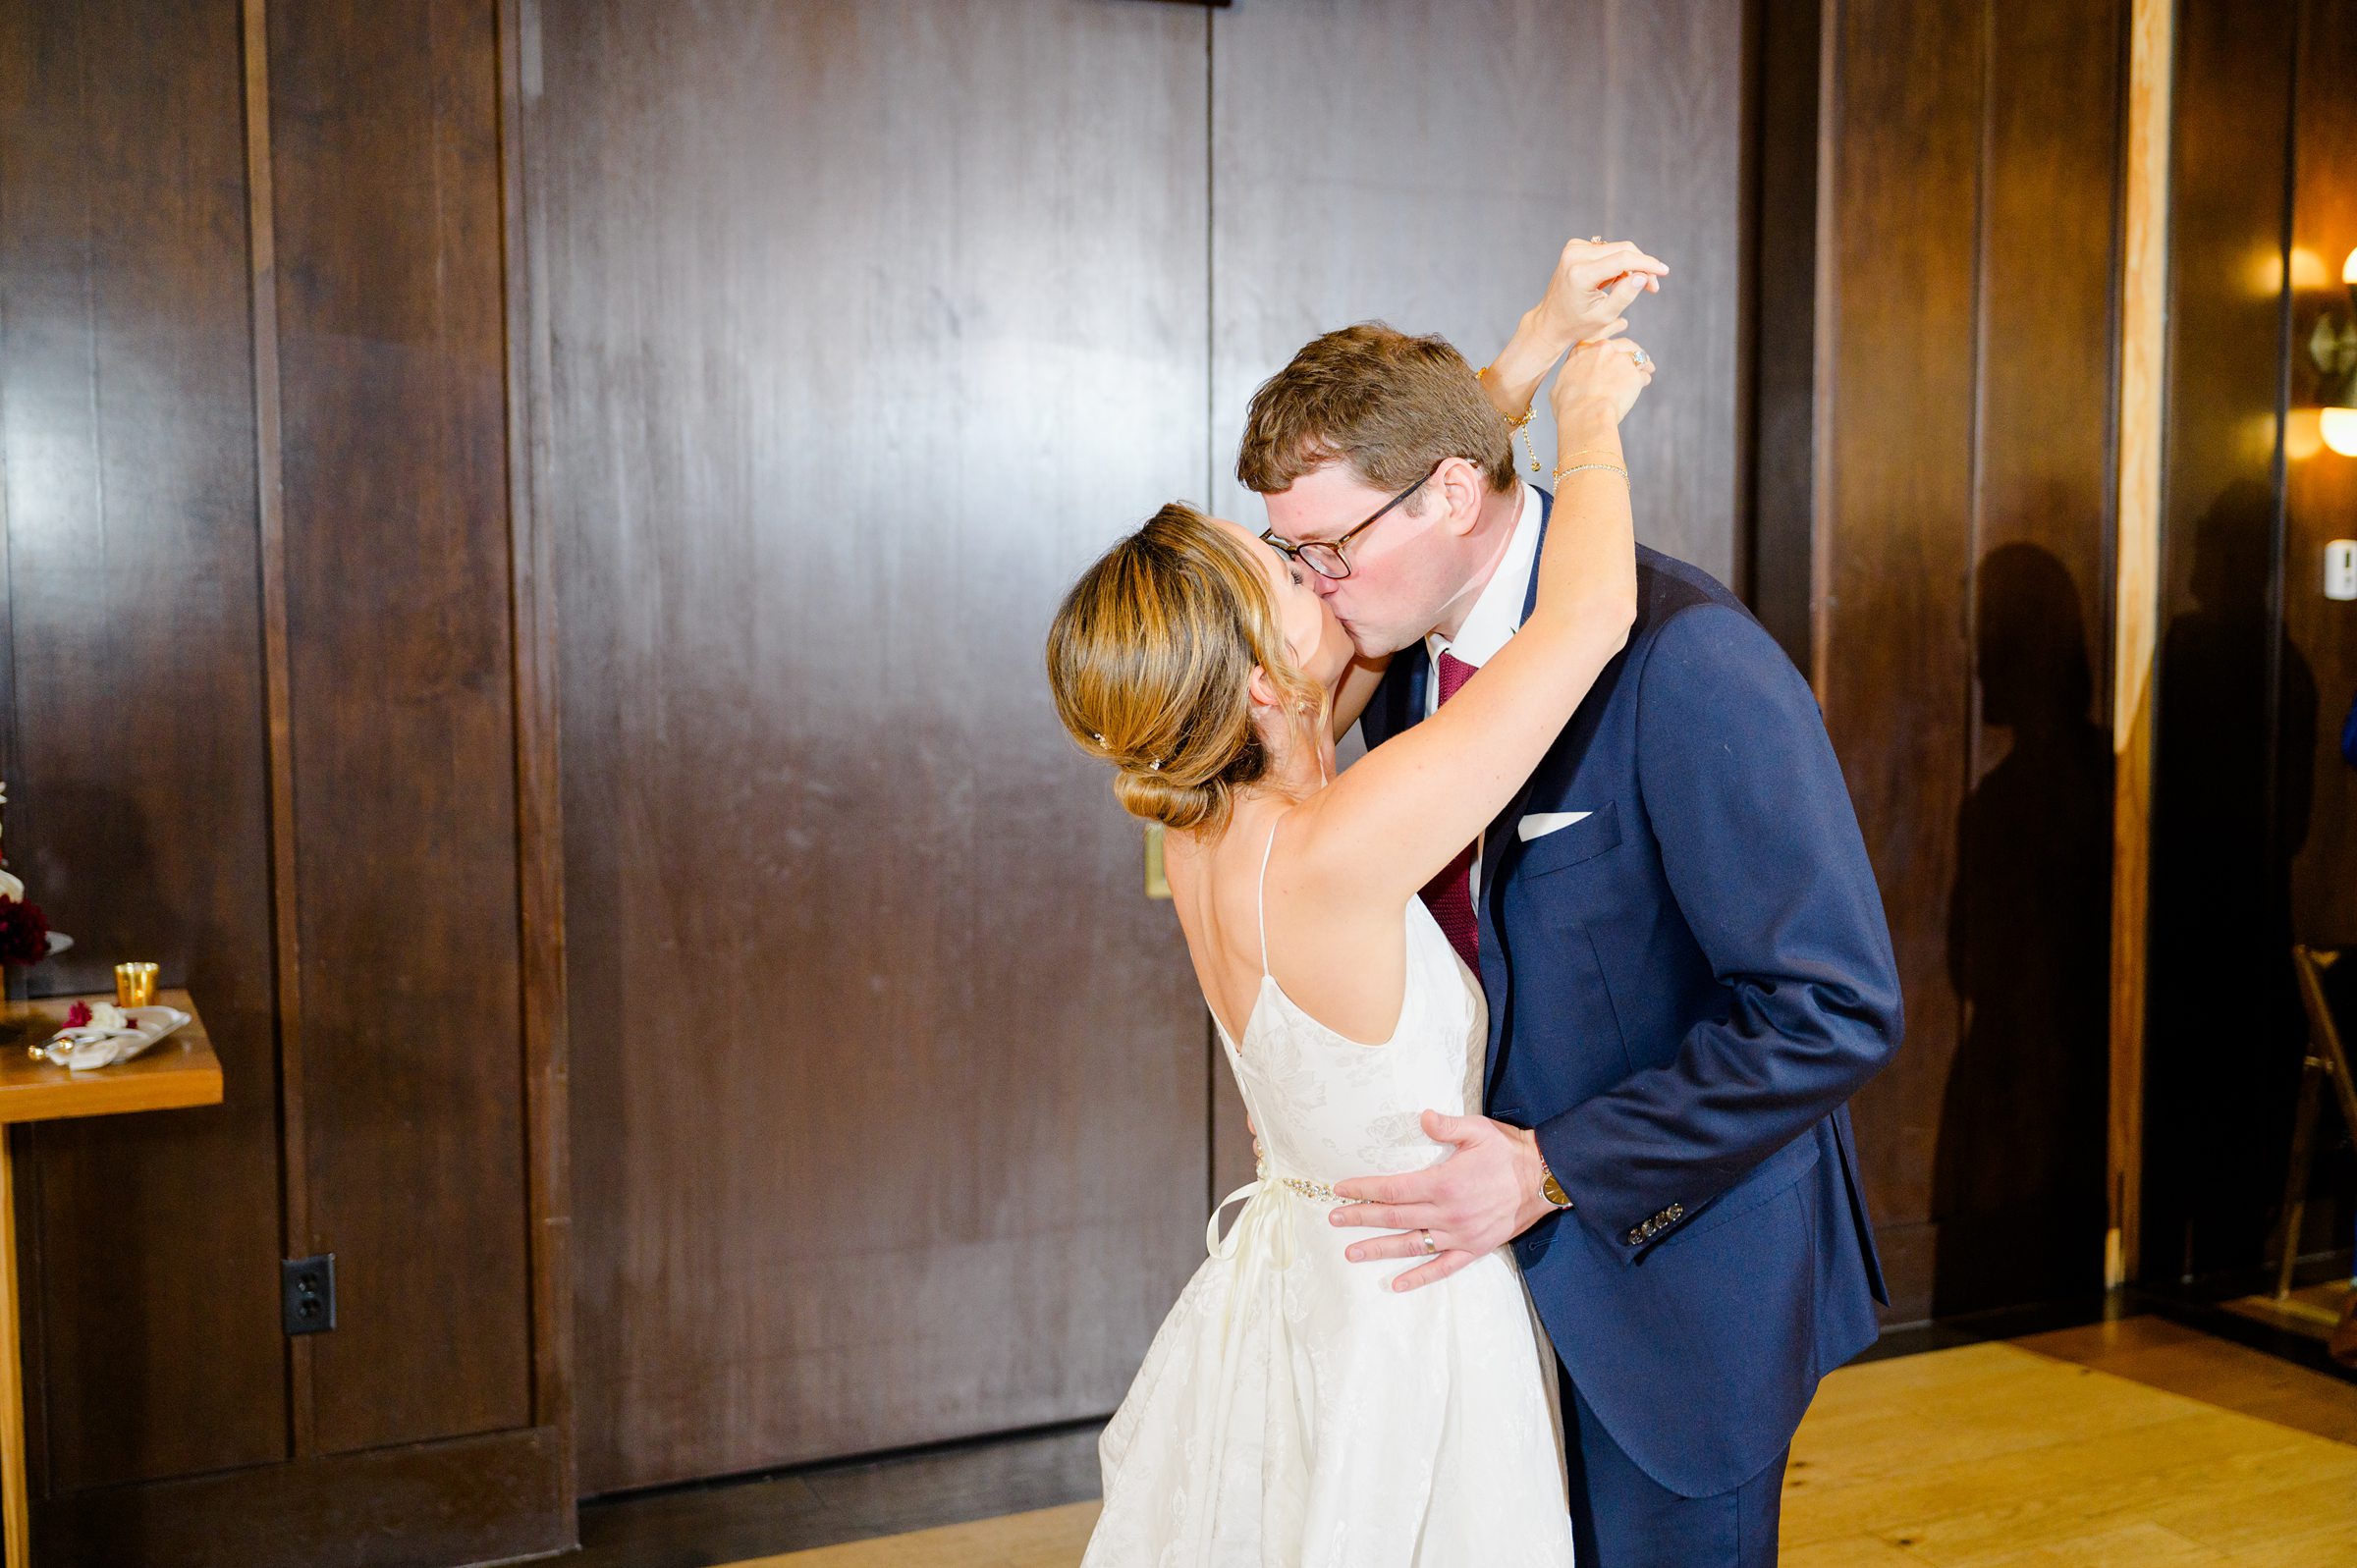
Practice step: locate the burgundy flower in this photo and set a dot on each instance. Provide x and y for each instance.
(78, 1015)
(23, 931)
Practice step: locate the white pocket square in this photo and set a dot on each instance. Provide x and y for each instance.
(1539, 824)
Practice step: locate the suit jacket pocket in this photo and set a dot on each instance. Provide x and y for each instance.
(1582, 841)
(1770, 1177)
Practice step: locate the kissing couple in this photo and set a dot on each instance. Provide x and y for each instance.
(1551, 1002)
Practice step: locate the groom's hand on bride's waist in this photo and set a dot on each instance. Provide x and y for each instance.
(1487, 1192)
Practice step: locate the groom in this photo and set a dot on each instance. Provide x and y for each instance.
(1686, 961)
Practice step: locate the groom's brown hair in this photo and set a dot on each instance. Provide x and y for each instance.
(1390, 404)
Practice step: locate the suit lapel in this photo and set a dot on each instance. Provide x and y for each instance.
(1497, 979)
(1400, 700)
(1418, 661)
(1500, 832)
(1530, 598)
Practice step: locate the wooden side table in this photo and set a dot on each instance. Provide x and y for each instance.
(180, 1069)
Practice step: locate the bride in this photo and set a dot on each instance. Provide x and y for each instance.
(1296, 1408)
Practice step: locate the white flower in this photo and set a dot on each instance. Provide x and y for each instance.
(11, 887)
(106, 1015)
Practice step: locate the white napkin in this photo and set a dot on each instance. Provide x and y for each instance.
(101, 1043)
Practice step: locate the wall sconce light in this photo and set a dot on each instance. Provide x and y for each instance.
(2332, 346)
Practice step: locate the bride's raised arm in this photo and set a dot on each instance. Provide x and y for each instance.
(1388, 825)
(1587, 295)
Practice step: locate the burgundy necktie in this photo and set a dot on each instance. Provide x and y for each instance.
(1450, 896)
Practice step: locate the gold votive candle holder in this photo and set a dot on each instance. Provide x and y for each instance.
(134, 985)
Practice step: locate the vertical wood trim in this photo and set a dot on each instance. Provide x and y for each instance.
(16, 1535)
(36, 1451)
(8, 637)
(539, 818)
(2141, 391)
(1742, 576)
(1826, 382)
(270, 498)
(1976, 480)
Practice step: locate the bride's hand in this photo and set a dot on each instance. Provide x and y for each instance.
(1601, 378)
(1593, 283)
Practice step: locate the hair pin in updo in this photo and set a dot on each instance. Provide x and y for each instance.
(1154, 765)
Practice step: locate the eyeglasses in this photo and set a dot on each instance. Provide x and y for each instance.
(1325, 556)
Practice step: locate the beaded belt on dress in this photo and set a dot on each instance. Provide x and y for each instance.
(1248, 1222)
(1303, 1185)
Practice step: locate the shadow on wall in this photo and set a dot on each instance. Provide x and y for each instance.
(2017, 1181)
(2233, 771)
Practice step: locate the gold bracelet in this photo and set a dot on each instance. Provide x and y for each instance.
(1582, 467)
(1518, 427)
(1561, 457)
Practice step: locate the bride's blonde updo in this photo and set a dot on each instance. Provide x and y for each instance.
(1150, 657)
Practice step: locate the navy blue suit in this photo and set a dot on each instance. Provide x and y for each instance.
(1685, 988)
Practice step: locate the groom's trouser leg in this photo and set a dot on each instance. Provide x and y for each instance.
(1623, 1518)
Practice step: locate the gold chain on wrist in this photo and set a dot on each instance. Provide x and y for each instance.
(1518, 428)
(1581, 467)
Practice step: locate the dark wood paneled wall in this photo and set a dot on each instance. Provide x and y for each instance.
(2253, 842)
(868, 326)
(136, 756)
(1961, 598)
(270, 718)
(1783, 283)
(394, 366)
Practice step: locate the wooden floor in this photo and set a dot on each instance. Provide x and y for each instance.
(2312, 1311)
(2136, 1444)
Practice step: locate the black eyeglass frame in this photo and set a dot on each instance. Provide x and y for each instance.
(1301, 552)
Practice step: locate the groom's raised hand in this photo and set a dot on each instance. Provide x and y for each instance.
(1594, 282)
(1482, 1196)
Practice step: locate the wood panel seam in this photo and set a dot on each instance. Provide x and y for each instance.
(537, 739)
(269, 474)
(1825, 391)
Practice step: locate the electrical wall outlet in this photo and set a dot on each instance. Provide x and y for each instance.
(307, 1294)
(2340, 569)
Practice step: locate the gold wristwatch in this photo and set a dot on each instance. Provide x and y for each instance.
(1550, 1189)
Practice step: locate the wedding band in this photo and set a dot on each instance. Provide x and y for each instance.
(1431, 1247)
(1641, 358)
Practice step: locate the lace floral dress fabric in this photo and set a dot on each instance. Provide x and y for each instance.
(1295, 1411)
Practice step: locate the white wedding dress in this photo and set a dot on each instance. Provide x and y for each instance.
(1295, 1411)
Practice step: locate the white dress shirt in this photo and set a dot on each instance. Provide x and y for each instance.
(1495, 615)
